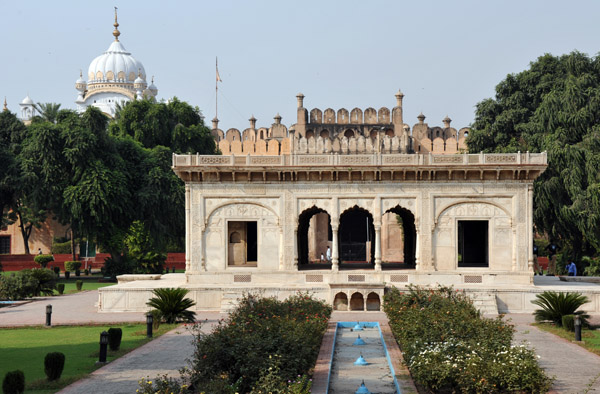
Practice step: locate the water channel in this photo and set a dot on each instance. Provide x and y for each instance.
(377, 372)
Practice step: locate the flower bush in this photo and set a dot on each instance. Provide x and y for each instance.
(264, 342)
(449, 347)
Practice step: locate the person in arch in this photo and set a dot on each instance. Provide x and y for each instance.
(328, 254)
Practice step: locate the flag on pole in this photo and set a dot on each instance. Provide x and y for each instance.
(217, 69)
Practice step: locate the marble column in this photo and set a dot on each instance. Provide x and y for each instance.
(378, 247)
(335, 256)
(188, 249)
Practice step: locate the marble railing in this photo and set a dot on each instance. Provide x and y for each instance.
(376, 159)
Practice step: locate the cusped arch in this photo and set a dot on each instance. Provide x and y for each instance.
(467, 202)
(219, 207)
(357, 301)
(340, 301)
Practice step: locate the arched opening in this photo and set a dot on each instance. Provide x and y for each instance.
(398, 238)
(390, 133)
(349, 133)
(309, 134)
(356, 238)
(357, 302)
(324, 134)
(466, 134)
(373, 302)
(340, 302)
(314, 239)
(373, 134)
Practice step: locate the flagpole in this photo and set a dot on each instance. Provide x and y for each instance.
(217, 89)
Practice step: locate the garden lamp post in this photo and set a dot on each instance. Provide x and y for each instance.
(577, 328)
(48, 315)
(103, 346)
(149, 323)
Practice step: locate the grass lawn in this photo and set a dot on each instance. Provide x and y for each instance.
(25, 349)
(70, 286)
(590, 338)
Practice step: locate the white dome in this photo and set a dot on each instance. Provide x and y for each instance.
(116, 64)
(27, 101)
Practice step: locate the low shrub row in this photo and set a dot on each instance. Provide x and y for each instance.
(448, 347)
(27, 283)
(264, 346)
(14, 381)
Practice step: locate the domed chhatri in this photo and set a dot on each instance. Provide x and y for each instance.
(115, 77)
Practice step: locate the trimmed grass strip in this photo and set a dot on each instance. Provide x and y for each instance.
(25, 349)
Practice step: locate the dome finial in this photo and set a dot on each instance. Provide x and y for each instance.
(116, 32)
(5, 104)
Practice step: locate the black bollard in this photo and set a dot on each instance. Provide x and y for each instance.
(103, 346)
(149, 322)
(578, 328)
(49, 315)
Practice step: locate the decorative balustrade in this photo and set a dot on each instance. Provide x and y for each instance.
(375, 159)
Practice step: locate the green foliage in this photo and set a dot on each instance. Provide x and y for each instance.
(43, 259)
(54, 363)
(79, 285)
(143, 251)
(114, 338)
(163, 385)
(118, 265)
(13, 382)
(272, 381)
(56, 271)
(261, 333)
(45, 280)
(172, 305)
(449, 347)
(568, 322)
(556, 305)
(48, 111)
(553, 106)
(175, 125)
(72, 265)
(592, 266)
(61, 247)
(16, 286)
(27, 283)
(61, 288)
(67, 274)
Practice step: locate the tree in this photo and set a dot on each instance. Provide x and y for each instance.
(48, 111)
(14, 188)
(175, 125)
(553, 106)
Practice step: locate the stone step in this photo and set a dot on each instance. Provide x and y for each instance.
(485, 302)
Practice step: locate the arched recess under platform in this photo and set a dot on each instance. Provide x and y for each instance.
(357, 302)
(340, 302)
(405, 222)
(356, 239)
(373, 302)
(314, 236)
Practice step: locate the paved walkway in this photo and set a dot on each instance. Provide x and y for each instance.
(164, 355)
(77, 308)
(576, 370)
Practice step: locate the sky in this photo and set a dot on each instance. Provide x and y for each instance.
(445, 56)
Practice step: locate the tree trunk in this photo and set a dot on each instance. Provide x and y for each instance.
(25, 232)
(73, 245)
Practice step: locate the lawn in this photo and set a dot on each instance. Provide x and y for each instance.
(70, 286)
(25, 349)
(590, 338)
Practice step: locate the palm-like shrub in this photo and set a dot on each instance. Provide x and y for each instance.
(556, 305)
(172, 305)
